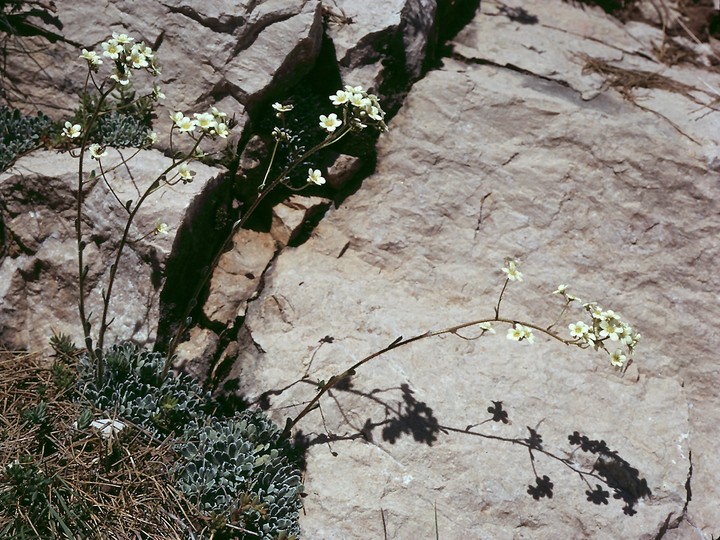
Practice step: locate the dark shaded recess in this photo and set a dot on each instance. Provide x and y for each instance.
(620, 8)
(452, 16)
(310, 99)
(202, 237)
(18, 19)
(197, 241)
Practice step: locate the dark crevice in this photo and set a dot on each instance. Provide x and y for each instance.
(311, 90)
(225, 24)
(670, 523)
(511, 67)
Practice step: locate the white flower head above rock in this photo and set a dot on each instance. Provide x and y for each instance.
(315, 177)
(330, 122)
(511, 270)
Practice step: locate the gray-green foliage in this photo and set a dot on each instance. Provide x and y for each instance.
(121, 130)
(134, 389)
(238, 467)
(123, 121)
(20, 134)
(236, 470)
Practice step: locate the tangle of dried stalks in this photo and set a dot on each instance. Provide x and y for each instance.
(78, 484)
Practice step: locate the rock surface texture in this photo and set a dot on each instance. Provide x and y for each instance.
(551, 133)
(514, 147)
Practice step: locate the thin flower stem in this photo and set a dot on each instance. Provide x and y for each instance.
(82, 274)
(562, 312)
(400, 342)
(267, 172)
(497, 308)
(154, 186)
(184, 324)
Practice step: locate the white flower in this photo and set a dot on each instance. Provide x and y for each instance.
(122, 38)
(510, 269)
(610, 314)
(92, 57)
(157, 92)
(205, 121)
(487, 327)
(137, 57)
(112, 49)
(161, 228)
(71, 131)
(374, 113)
(561, 289)
(594, 310)
(579, 329)
(147, 51)
(330, 122)
(340, 98)
(353, 89)
(315, 176)
(121, 77)
(185, 173)
(185, 124)
(152, 137)
(222, 130)
(217, 113)
(107, 427)
(617, 358)
(97, 151)
(279, 107)
(610, 329)
(519, 332)
(359, 100)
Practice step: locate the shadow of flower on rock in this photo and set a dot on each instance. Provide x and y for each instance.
(412, 418)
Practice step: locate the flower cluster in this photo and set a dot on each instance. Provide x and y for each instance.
(360, 110)
(212, 123)
(126, 56)
(520, 332)
(605, 326)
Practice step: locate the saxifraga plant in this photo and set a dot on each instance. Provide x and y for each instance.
(20, 134)
(235, 471)
(133, 388)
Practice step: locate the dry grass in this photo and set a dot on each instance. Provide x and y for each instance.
(79, 485)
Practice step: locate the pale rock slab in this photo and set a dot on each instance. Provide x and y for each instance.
(481, 163)
(364, 38)
(39, 269)
(210, 54)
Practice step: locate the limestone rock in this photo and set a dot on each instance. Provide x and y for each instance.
(367, 40)
(489, 159)
(238, 275)
(39, 271)
(289, 217)
(208, 52)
